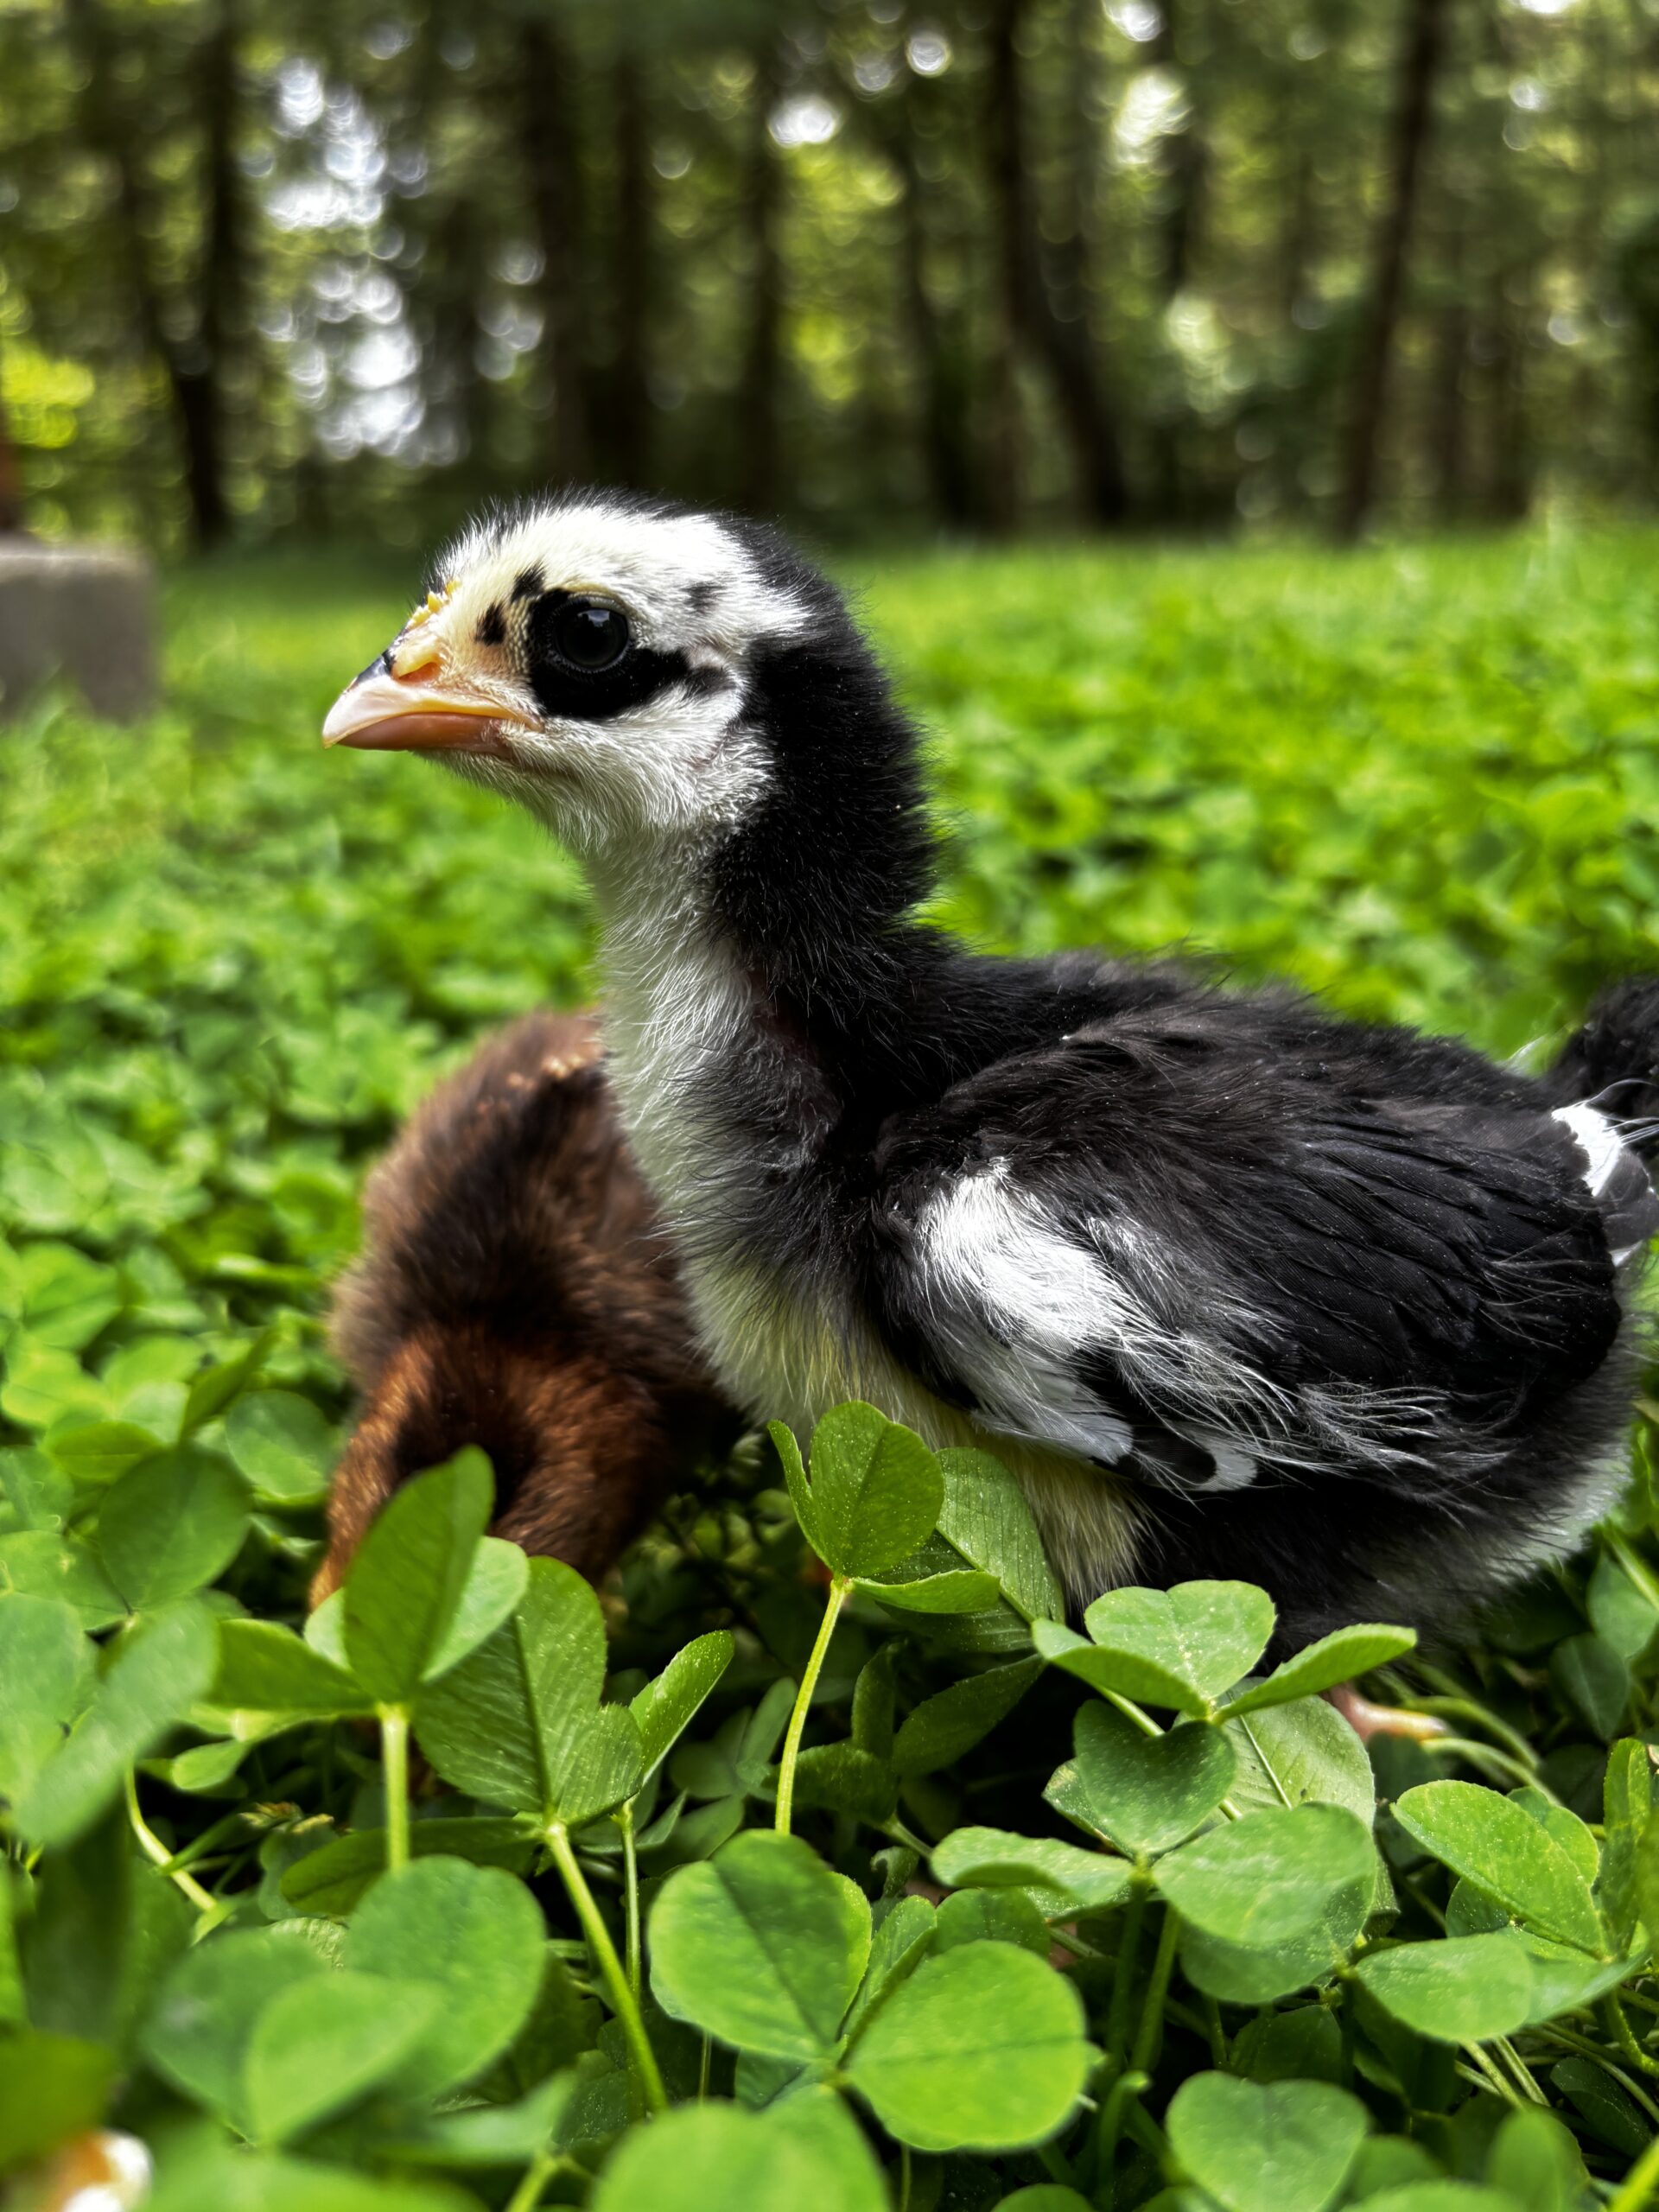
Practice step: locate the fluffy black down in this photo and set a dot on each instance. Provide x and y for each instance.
(1390, 1235)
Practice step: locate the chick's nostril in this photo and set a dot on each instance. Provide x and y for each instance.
(407, 662)
(381, 665)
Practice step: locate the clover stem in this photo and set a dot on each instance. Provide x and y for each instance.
(896, 1829)
(1054, 2164)
(1519, 2069)
(1070, 1941)
(537, 2175)
(624, 2003)
(1487, 1760)
(394, 1767)
(1467, 1708)
(1613, 2012)
(1152, 2011)
(1113, 2111)
(1633, 1564)
(1640, 2183)
(1499, 2083)
(840, 1589)
(1128, 1946)
(1127, 1706)
(1217, 2032)
(1556, 2033)
(623, 1818)
(903, 2178)
(158, 1854)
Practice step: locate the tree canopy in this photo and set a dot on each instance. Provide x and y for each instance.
(973, 264)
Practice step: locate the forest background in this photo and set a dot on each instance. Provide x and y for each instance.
(268, 266)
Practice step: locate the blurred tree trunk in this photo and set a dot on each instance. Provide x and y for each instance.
(1002, 141)
(1448, 433)
(552, 166)
(448, 276)
(631, 376)
(1636, 276)
(1065, 239)
(942, 378)
(1185, 167)
(11, 474)
(1187, 163)
(758, 389)
(1063, 346)
(1296, 235)
(1511, 479)
(1420, 55)
(452, 234)
(191, 368)
(224, 250)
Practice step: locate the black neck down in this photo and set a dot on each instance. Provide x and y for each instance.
(817, 892)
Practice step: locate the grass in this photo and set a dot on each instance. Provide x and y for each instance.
(1423, 780)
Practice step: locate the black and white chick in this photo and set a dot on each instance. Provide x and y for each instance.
(1237, 1287)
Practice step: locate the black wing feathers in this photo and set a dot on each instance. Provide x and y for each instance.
(1277, 1189)
(1472, 1262)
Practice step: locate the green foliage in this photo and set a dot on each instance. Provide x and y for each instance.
(986, 1517)
(474, 1934)
(1268, 1879)
(170, 1524)
(320, 2044)
(665, 1708)
(202, 2021)
(281, 1442)
(874, 1493)
(45, 1663)
(1142, 1793)
(1061, 1877)
(152, 1678)
(1467, 1990)
(405, 1586)
(519, 1722)
(1284, 2148)
(712, 2157)
(1179, 1648)
(763, 1947)
(1194, 1945)
(982, 2045)
(1509, 1856)
(1335, 1658)
(53, 2087)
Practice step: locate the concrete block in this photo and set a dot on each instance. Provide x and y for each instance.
(83, 612)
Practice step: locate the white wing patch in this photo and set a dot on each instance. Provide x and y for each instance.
(1016, 1301)
(1236, 1468)
(1597, 1139)
(1012, 1302)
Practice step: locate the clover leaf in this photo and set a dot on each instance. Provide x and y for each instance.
(1182, 1647)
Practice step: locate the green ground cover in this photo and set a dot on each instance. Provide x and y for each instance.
(1425, 779)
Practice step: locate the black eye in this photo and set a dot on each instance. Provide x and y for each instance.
(591, 637)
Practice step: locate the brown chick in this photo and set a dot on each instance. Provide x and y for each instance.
(516, 1291)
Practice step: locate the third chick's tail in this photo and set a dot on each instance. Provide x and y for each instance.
(1612, 1062)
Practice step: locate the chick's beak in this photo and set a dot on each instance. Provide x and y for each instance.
(415, 708)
